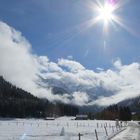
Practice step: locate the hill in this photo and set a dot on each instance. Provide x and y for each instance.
(133, 103)
(15, 102)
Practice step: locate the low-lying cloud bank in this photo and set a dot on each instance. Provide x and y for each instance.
(38, 75)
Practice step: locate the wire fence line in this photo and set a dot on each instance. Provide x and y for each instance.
(97, 129)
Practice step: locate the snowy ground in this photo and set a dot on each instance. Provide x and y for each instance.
(131, 133)
(61, 129)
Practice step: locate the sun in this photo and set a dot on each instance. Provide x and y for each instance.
(106, 12)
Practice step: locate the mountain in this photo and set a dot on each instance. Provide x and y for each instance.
(59, 90)
(64, 87)
(125, 110)
(133, 104)
(15, 102)
(9, 91)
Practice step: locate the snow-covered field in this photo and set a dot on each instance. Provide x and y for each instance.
(60, 129)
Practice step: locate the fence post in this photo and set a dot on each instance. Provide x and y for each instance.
(112, 129)
(96, 135)
(106, 131)
(62, 133)
(97, 125)
(79, 136)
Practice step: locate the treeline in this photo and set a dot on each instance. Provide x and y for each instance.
(136, 114)
(134, 105)
(114, 112)
(15, 102)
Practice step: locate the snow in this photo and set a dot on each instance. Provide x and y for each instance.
(64, 128)
(131, 133)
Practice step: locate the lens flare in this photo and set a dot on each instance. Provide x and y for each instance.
(106, 12)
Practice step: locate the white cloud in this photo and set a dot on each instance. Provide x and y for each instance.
(80, 98)
(70, 57)
(103, 87)
(117, 64)
(16, 61)
(71, 65)
(99, 69)
(17, 64)
(37, 74)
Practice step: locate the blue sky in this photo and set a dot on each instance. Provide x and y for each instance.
(56, 28)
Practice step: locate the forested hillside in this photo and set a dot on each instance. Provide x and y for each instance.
(125, 110)
(115, 112)
(15, 102)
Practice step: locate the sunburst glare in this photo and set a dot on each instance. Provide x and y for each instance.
(106, 12)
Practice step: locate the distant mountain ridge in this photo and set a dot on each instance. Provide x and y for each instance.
(27, 105)
(60, 87)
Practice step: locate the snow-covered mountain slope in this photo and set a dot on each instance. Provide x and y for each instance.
(61, 87)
